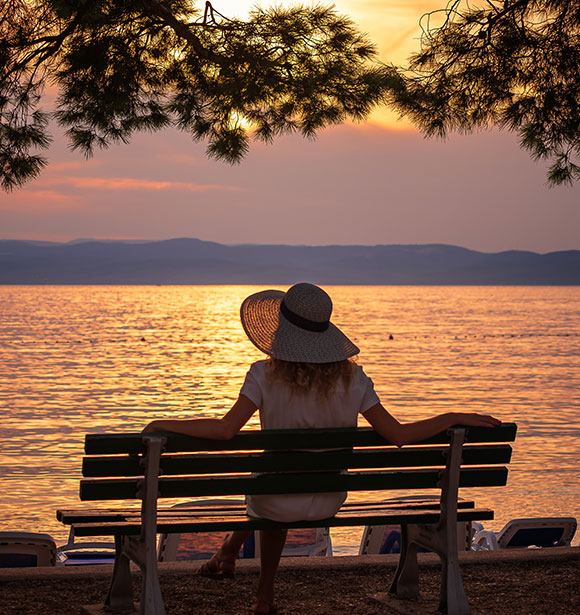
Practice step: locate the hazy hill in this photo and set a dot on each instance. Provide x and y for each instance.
(191, 261)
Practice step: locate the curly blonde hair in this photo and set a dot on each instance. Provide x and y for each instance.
(303, 377)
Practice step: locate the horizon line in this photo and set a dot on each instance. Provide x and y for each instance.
(137, 240)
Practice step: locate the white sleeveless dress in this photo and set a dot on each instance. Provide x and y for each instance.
(281, 409)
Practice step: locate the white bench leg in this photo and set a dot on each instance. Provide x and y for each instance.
(120, 595)
(453, 600)
(405, 584)
(151, 598)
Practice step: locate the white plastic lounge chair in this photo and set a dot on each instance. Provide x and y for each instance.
(305, 542)
(24, 549)
(84, 553)
(524, 533)
(308, 542)
(382, 539)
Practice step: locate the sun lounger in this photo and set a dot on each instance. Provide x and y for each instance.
(202, 545)
(84, 553)
(383, 539)
(523, 533)
(25, 549)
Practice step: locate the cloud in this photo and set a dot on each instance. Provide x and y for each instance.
(39, 200)
(61, 193)
(129, 183)
(56, 188)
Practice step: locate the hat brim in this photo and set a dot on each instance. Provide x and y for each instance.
(275, 336)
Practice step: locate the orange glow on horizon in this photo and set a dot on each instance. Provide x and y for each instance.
(39, 200)
(128, 183)
(55, 191)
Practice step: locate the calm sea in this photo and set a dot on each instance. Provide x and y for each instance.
(93, 359)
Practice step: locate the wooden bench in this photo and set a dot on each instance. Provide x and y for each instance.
(147, 467)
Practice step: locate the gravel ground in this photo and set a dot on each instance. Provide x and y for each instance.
(524, 584)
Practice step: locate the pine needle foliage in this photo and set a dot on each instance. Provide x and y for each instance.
(509, 63)
(124, 66)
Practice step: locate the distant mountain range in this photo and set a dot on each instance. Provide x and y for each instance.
(191, 261)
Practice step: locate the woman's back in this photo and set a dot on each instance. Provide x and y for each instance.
(283, 406)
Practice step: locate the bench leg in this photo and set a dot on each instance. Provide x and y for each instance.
(453, 600)
(120, 596)
(143, 553)
(151, 598)
(146, 552)
(405, 584)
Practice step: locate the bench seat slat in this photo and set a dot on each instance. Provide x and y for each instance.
(295, 461)
(240, 522)
(108, 444)
(69, 517)
(121, 489)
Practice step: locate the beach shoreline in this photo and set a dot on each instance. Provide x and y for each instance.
(508, 582)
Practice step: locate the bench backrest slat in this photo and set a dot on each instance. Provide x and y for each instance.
(203, 463)
(107, 444)
(309, 482)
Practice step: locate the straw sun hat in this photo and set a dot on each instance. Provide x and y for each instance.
(295, 326)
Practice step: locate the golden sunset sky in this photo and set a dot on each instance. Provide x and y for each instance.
(379, 182)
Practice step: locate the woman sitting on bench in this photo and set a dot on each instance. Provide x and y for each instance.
(308, 381)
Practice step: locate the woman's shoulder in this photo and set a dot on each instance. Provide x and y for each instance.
(358, 372)
(261, 364)
(258, 368)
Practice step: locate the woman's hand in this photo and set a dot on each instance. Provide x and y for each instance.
(472, 419)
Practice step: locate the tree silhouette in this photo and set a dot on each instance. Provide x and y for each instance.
(511, 63)
(116, 67)
(123, 66)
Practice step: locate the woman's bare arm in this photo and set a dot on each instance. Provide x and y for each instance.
(406, 433)
(223, 428)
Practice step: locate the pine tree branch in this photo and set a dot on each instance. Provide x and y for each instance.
(154, 7)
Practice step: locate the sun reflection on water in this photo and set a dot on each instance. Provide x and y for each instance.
(75, 360)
